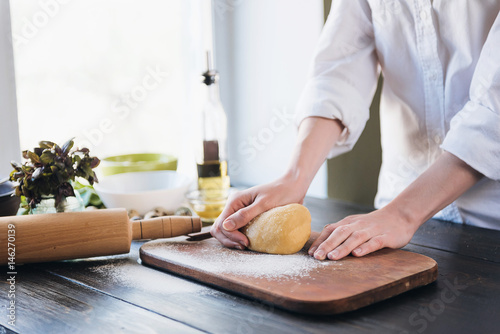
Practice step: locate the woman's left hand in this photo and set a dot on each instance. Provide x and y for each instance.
(363, 234)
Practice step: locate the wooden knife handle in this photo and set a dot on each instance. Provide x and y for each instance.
(164, 227)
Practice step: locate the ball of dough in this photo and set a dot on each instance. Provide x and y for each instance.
(282, 230)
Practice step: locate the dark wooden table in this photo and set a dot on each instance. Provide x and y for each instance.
(119, 295)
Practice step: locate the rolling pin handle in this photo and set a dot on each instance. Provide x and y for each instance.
(165, 227)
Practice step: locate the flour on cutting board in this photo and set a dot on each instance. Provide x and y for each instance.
(223, 260)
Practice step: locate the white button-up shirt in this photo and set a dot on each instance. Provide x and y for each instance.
(441, 65)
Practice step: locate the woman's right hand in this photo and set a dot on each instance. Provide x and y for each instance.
(315, 139)
(245, 205)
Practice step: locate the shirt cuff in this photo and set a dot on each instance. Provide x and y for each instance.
(474, 137)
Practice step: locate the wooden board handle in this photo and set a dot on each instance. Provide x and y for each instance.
(164, 227)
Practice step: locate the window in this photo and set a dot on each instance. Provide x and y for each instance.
(123, 76)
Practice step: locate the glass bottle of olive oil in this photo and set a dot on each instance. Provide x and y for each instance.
(213, 176)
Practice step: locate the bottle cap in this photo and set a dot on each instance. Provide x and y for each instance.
(210, 76)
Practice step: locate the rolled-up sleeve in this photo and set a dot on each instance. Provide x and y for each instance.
(344, 73)
(474, 134)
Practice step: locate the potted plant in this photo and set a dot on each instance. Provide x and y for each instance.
(48, 174)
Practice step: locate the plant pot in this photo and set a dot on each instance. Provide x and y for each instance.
(9, 204)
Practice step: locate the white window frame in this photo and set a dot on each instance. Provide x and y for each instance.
(9, 129)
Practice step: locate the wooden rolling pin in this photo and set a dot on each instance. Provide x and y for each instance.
(74, 235)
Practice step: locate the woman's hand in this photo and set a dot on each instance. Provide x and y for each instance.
(394, 225)
(315, 138)
(363, 234)
(247, 204)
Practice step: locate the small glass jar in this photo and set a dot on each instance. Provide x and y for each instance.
(207, 204)
(68, 204)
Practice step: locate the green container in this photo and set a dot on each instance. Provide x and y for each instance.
(138, 162)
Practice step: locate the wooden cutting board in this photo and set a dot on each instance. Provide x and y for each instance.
(294, 282)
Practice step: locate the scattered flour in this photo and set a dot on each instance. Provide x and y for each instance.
(221, 260)
(146, 279)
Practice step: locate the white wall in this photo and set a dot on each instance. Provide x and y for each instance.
(263, 51)
(9, 134)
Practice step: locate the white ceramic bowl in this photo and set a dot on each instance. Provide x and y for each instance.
(143, 191)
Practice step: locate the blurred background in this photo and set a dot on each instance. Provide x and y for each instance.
(123, 76)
